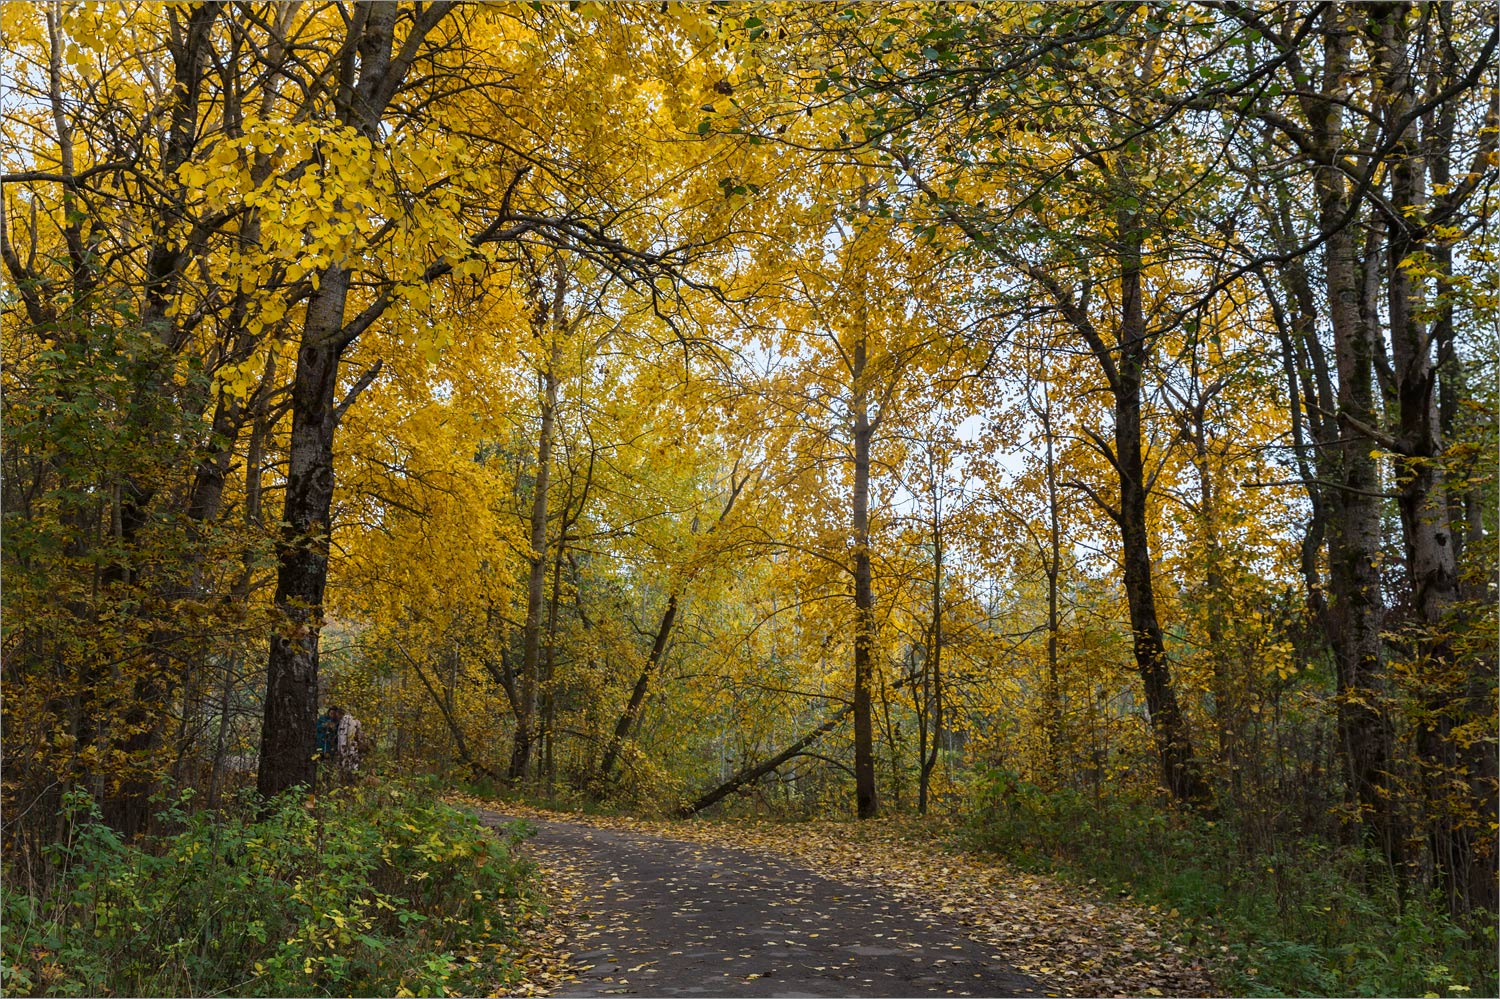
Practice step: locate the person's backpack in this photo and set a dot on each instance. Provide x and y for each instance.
(354, 737)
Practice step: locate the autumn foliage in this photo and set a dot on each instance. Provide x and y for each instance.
(808, 409)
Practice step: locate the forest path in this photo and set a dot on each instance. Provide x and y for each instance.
(660, 916)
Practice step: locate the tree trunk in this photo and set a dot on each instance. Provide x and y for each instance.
(1054, 706)
(921, 701)
(531, 642)
(932, 684)
(867, 805)
(1226, 714)
(630, 717)
(288, 740)
(1454, 774)
(549, 668)
(1310, 397)
(1179, 767)
(632, 710)
(128, 809)
(758, 770)
(1356, 606)
(444, 702)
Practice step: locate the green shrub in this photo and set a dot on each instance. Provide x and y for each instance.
(1309, 918)
(363, 891)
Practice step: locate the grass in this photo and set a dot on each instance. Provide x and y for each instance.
(1311, 918)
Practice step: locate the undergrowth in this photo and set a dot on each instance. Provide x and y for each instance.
(1310, 919)
(361, 891)
(558, 798)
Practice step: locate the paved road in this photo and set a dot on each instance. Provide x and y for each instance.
(670, 918)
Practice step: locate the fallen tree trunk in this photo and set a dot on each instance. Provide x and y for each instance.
(759, 770)
(638, 694)
(459, 742)
(630, 718)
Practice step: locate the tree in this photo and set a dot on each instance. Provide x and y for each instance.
(863, 356)
(371, 73)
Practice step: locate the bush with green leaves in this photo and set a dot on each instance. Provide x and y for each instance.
(362, 891)
(1307, 918)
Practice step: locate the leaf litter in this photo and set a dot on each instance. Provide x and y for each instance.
(1069, 937)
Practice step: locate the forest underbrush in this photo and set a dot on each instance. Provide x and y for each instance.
(1304, 917)
(365, 890)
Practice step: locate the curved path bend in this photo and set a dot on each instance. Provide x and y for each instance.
(665, 917)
